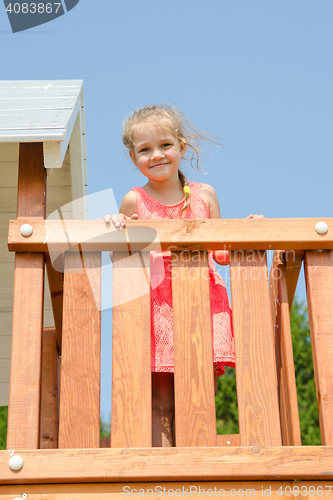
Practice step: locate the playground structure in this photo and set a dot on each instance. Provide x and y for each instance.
(54, 414)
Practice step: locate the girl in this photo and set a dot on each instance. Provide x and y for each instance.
(157, 139)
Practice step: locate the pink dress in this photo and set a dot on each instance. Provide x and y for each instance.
(162, 356)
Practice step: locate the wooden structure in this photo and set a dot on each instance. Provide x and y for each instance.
(58, 437)
(52, 114)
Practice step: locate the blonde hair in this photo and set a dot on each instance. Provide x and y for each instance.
(178, 124)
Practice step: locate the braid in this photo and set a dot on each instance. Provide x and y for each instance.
(183, 180)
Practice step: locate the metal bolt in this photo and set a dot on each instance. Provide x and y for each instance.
(26, 230)
(321, 227)
(16, 462)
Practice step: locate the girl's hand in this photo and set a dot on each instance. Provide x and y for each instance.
(255, 216)
(119, 220)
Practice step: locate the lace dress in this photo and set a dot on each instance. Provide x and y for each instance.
(162, 356)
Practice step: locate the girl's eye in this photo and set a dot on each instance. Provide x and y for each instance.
(144, 150)
(166, 145)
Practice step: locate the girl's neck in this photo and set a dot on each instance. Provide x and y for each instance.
(170, 191)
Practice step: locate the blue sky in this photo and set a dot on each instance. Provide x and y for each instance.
(256, 74)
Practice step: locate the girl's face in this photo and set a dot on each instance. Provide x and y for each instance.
(156, 152)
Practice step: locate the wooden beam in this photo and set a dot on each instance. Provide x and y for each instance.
(26, 354)
(196, 490)
(228, 440)
(258, 408)
(290, 427)
(293, 260)
(111, 465)
(56, 283)
(131, 423)
(193, 350)
(176, 235)
(318, 268)
(49, 397)
(79, 419)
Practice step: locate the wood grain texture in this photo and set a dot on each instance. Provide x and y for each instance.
(81, 353)
(228, 440)
(27, 325)
(177, 235)
(165, 464)
(293, 260)
(197, 490)
(258, 407)
(131, 423)
(318, 268)
(290, 427)
(55, 280)
(193, 350)
(49, 396)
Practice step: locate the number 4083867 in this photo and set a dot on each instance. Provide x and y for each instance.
(33, 8)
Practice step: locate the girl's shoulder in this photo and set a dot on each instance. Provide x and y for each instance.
(128, 205)
(209, 196)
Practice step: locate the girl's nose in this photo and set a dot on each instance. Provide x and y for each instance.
(157, 153)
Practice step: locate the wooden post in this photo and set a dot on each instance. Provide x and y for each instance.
(79, 418)
(49, 399)
(26, 354)
(55, 280)
(258, 407)
(318, 268)
(131, 422)
(290, 428)
(193, 348)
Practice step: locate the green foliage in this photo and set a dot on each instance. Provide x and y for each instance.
(105, 427)
(3, 426)
(226, 398)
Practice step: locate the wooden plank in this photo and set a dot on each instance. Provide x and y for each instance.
(81, 353)
(293, 259)
(178, 235)
(131, 423)
(318, 268)
(258, 408)
(228, 440)
(9, 152)
(290, 427)
(165, 464)
(193, 350)
(8, 172)
(25, 369)
(57, 196)
(55, 280)
(274, 489)
(49, 395)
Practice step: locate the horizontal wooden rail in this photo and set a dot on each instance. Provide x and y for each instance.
(175, 464)
(176, 235)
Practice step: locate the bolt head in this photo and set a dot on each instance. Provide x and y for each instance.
(321, 227)
(16, 462)
(26, 230)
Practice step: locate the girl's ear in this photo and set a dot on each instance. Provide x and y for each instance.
(131, 155)
(182, 148)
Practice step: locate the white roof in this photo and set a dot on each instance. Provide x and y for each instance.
(41, 111)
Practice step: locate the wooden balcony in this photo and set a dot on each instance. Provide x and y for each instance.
(54, 401)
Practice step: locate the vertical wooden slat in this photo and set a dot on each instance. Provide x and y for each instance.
(257, 396)
(131, 412)
(79, 418)
(293, 260)
(25, 370)
(318, 268)
(290, 428)
(193, 348)
(55, 280)
(49, 397)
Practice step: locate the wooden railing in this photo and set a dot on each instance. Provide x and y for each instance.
(267, 401)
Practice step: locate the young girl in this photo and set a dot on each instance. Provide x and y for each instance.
(158, 138)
